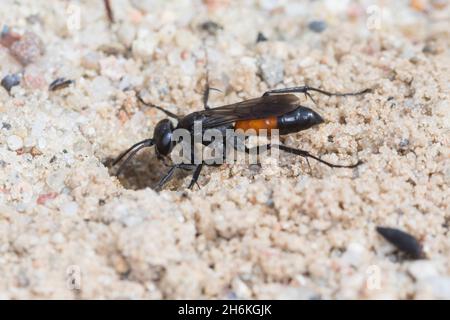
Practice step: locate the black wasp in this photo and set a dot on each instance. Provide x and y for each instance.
(276, 109)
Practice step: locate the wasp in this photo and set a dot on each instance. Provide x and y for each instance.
(275, 109)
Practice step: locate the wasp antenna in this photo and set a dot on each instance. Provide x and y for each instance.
(133, 149)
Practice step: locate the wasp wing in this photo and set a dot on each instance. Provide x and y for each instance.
(258, 108)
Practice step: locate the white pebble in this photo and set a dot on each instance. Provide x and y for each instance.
(42, 143)
(144, 45)
(55, 180)
(69, 208)
(422, 269)
(126, 34)
(14, 142)
(440, 287)
(29, 142)
(354, 254)
(58, 238)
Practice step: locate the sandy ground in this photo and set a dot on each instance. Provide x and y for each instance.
(70, 229)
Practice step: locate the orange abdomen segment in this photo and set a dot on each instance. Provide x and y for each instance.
(257, 124)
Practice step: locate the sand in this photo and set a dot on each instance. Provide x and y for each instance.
(70, 229)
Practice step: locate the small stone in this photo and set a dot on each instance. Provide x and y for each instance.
(35, 152)
(440, 287)
(210, 27)
(126, 34)
(144, 45)
(69, 208)
(28, 49)
(271, 70)
(403, 143)
(354, 254)
(6, 125)
(34, 78)
(56, 180)
(11, 80)
(261, 37)
(42, 143)
(58, 238)
(241, 290)
(8, 37)
(422, 269)
(111, 68)
(91, 61)
(317, 26)
(14, 142)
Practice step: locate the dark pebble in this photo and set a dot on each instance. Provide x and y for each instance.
(60, 83)
(211, 27)
(11, 80)
(402, 241)
(403, 143)
(317, 26)
(261, 37)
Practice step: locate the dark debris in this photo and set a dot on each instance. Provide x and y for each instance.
(403, 241)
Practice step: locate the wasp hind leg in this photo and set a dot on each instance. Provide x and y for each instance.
(306, 89)
(306, 155)
(299, 152)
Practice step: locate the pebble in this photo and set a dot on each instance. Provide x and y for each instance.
(8, 37)
(272, 70)
(28, 49)
(317, 26)
(241, 290)
(42, 143)
(422, 269)
(440, 287)
(126, 34)
(144, 46)
(6, 125)
(55, 180)
(58, 238)
(111, 68)
(354, 254)
(11, 80)
(261, 37)
(14, 142)
(70, 208)
(91, 61)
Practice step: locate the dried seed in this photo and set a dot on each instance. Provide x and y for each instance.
(59, 84)
(402, 241)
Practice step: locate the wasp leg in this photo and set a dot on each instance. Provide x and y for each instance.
(206, 94)
(307, 155)
(301, 153)
(166, 178)
(196, 175)
(169, 175)
(305, 89)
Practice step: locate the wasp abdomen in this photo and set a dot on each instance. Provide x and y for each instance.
(299, 119)
(257, 124)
